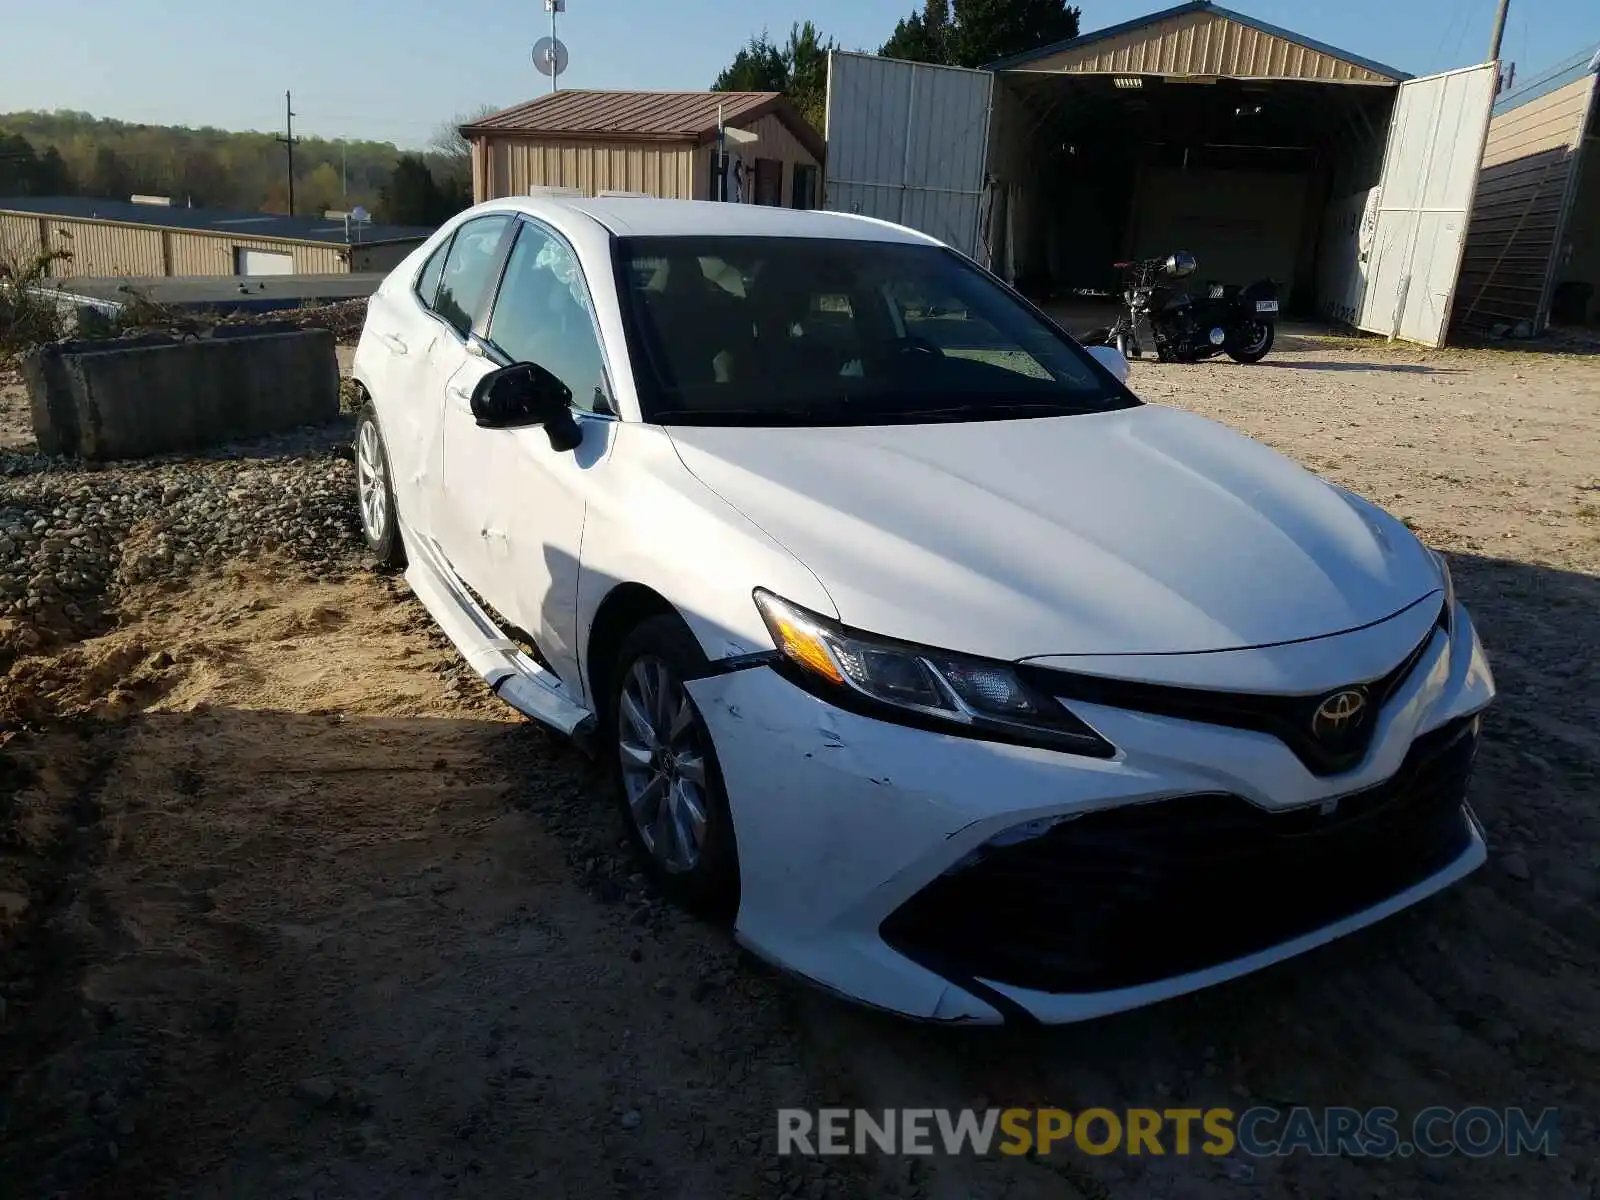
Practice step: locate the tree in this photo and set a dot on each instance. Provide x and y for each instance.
(922, 37)
(109, 178)
(322, 189)
(806, 58)
(452, 150)
(798, 69)
(980, 31)
(413, 197)
(202, 179)
(54, 176)
(19, 166)
(758, 67)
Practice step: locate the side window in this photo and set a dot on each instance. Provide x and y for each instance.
(543, 316)
(469, 271)
(428, 281)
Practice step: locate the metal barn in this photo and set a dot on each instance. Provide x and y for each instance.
(1533, 249)
(145, 239)
(1265, 153)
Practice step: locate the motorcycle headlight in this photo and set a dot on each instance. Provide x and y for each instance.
(919, 685)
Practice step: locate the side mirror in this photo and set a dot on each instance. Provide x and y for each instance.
(527, 394)
(1111, 359)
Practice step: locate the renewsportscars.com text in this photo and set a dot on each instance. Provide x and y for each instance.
(1260, 1132)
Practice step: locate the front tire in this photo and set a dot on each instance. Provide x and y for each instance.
(1252, 342)
(380, 524)
(667, 782)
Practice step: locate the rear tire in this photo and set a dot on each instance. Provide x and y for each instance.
(380, 523)
(666, 779)
(1254, 341)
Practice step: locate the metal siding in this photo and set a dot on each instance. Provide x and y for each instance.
(1525, 192)
(1205, 44)
(1430, 174)
(212, 254)
(19, 236)
(513, 165)
(373, 259)
(106, 249)
(908, 142)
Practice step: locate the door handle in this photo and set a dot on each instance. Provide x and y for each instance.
(396, 344)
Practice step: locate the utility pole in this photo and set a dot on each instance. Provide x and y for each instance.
(1499, 30)
(288, 143)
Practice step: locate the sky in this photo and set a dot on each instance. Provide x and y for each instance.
(396, 70)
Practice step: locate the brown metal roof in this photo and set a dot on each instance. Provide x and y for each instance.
(643, 116)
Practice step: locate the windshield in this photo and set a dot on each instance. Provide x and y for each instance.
(814, 331)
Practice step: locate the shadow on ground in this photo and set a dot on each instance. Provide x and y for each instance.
(270, 953)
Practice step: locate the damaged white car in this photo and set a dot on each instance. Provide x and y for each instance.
(961, 681)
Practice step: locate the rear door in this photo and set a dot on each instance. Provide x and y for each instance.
(908, 142)
(1430, 174)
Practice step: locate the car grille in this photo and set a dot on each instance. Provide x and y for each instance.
(1288, 718)
(1130, 895)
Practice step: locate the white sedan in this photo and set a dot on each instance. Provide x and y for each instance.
(959, 680)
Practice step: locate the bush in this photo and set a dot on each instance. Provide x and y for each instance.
(28, 319)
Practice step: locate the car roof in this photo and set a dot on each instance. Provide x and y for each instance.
(646, 216)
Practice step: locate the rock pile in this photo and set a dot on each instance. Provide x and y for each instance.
(71, 538)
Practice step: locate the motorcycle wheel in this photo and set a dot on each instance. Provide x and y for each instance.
(1250, 342)
(1125, 345)
(1097, 337)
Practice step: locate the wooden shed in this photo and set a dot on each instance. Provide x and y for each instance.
(1533, 247)
(658, 143)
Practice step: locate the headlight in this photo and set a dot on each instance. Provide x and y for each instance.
(1447, 617)
(918, 685)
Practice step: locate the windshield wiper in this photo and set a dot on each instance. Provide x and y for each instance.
(718, 416)
(1054, 407)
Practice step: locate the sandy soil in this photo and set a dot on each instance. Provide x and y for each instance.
(293, 911)
(16, 422)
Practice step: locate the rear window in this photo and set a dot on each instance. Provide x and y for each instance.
(822, 331)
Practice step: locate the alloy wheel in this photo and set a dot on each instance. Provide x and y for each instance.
(663, 759)
(371, 483)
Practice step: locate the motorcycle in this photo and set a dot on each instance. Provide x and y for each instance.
(1237, 321)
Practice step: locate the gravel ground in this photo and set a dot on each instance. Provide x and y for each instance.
(290, 907)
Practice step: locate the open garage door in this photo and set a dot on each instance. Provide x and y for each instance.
(1430, 173)
(908, 142)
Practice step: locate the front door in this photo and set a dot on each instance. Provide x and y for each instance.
(516, 501)
(438, 350)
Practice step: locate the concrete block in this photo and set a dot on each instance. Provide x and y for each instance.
(134, 397)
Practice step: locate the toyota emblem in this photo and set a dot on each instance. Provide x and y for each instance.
(1339, 715)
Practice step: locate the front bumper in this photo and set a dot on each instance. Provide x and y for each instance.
(951, 879)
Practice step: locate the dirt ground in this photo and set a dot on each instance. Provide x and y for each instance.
(304, 914)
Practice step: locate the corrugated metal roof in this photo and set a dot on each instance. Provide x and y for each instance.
(642, 116)
(206, 220)
(1367, 65)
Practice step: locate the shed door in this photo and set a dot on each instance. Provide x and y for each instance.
(1430, 173)
(262, 262)
(908, 142)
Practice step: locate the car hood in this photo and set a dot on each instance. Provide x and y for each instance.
(1142, 531)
